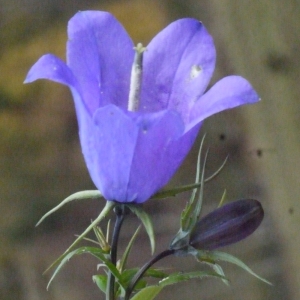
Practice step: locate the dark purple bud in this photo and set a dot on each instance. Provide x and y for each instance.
(227, 225)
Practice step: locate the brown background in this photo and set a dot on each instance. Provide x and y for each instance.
(41, 162)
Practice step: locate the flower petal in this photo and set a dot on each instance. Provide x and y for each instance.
(160, 150)
(53, 68)
(100, 53)
(114, 137)
(178, 65)
(227, 225)
(227, 93)
(135, 152)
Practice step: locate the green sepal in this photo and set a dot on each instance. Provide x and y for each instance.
(191, 212)
(146, 220)
(101, 281)
(102, 239)
(125, 255)
(214, 256)
(180, 241)
(107, 208)
(83, 195)
(96, 252)
(166, 193)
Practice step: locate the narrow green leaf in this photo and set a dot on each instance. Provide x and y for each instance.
(191, 214)
(148, 293)
(107, 208)
(179, 277)
(218, 255)
(199, 202)
(101, 281)
(155, 273)
(174, 191)
(152, 291)
(198, 171)
(77, 196)
(125, 255)
(186, 219)
(128, 274)
(96, 252)
(146, 220)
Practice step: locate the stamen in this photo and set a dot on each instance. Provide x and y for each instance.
(136, 78)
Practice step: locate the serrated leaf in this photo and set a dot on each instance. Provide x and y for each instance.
(83, 195)
(146, 220)
(152, 291)
(107, 208)
(148, 293)
(218, 255)
(101, 281)
(97, 252)
(178, 277)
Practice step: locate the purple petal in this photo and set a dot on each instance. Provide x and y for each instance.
(115, 136)
(158, 154)
(135, 153)
(100, 53)
(178, 65)
(227, 93)
(227, 225)
(53, 68)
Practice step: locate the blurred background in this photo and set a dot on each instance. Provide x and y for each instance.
(41, 161)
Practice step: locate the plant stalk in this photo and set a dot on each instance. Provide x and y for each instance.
(142, 271)
(120, 213)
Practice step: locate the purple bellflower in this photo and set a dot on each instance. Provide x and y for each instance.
(139, 109)
(228, 224)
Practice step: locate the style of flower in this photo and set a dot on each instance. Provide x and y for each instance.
(132, 151)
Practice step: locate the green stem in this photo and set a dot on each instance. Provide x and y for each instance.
(142, 271)
(120, 213)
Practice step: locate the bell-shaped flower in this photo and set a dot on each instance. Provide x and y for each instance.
(132, 151)
(226, 225)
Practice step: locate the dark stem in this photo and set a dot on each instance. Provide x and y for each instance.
(142, 271)
(120, 213)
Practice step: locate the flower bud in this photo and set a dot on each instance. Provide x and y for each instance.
(227, 224)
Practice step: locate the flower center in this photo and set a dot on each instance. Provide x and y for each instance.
(136, 78)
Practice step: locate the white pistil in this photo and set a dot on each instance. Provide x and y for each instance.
(136, 78)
